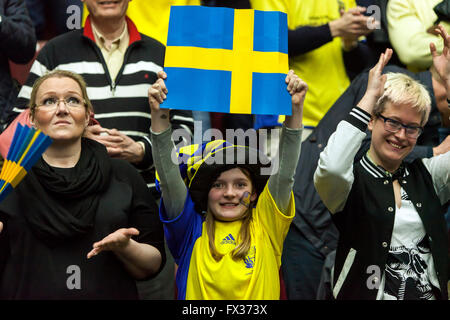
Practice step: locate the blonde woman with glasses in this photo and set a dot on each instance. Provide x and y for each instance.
(81, 225)
(390, 214)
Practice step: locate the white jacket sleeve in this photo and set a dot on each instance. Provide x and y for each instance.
(439, 168)
(333, 177)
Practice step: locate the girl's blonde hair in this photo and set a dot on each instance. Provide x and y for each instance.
(244, 238)
(59, 74)
(402, 89)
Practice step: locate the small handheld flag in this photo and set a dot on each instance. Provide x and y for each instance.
(227, 60)
(27, 146)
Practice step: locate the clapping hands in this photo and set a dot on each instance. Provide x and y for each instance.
(441, 62)
(375, 85)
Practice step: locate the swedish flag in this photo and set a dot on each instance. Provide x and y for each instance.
(227, 60)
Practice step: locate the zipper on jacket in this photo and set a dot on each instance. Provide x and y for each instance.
(113, 84)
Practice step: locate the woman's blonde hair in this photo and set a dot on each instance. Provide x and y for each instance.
(402, 89)
(59, 74)
(244, 238)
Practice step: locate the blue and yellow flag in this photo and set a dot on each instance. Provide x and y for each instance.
(227, 60)
(26, 148)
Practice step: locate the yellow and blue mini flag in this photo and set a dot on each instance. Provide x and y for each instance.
(26, 148)
(227, 60)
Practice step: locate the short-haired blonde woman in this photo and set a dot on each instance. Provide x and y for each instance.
(75, 203)
(393, 237)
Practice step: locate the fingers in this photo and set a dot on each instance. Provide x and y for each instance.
(356, 16)
(107, 144)
(93, 252)
(96, 129)
(108, 140)
(111, 137)
(387, 56)
(113, 241)
(443, 33)
(289, 76)
(1, 226)
(157, 93)
(440, 30)
(162, 74)
(114, 152)
(131, 232)
(118, 145)
(298, 86)
(433, 50)
(383, 79)
(295, 84)
(376, 81)
(116, 134)
(383, 60)
(357, 10)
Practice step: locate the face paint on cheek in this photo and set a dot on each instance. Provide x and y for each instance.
(245, 199)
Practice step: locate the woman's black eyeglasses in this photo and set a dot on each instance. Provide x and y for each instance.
(394, 126)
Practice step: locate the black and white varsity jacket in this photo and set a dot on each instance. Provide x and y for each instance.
(122, 104)
(361, 199)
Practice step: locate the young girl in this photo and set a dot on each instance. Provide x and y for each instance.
(226, 230)
(393, 237)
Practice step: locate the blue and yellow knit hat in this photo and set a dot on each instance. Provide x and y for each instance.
(201, 164)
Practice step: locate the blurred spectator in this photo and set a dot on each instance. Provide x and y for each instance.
(18, 44)
(318, 34)
(368, 49)
(153, 18)
(50, 17)
(410, 25)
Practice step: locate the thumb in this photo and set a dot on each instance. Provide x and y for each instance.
(162, 74)
(1, 226)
